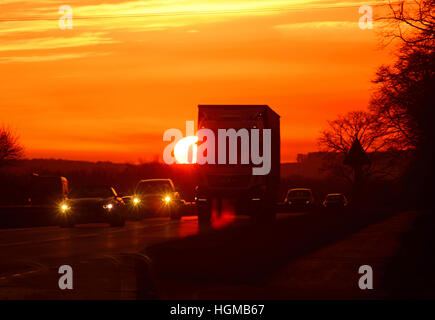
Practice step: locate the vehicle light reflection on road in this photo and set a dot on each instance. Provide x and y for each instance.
(226, 216)
(189, 226)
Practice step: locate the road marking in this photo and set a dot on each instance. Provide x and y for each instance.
(39, 268)
(133, 227)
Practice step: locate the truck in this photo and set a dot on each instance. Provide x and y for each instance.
(241, 132)
(32, 200)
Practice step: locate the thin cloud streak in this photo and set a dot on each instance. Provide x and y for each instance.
(85, 39)
(139, 16)
(54, 57)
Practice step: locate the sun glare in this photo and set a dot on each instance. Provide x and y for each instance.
(185, 150)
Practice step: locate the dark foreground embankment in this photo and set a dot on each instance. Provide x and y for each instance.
(414, 264)
(243, 255)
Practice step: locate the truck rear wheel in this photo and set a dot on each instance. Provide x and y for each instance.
(175, 213)
(204, 214)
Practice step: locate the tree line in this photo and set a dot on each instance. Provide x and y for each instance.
(400, 115)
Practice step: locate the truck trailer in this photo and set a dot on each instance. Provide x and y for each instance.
(244, 167)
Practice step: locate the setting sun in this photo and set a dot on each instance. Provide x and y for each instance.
(185, 151)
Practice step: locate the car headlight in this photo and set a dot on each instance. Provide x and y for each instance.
(136, 201)
(64, 207)
(167, 199)
(108, 206)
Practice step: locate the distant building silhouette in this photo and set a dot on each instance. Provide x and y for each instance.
(312, 165)
(307, 165)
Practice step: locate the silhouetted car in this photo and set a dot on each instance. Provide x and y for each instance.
(157, 197)
(132, 205)
(299, 199)
(93, 204)
(335, 200)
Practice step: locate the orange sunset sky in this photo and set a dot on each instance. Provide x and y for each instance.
(129, 70)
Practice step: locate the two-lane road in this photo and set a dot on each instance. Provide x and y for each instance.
(30, 257)
(35, 253)
(21, 248)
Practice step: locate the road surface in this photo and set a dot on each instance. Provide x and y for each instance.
(155, 258)
(100, 257)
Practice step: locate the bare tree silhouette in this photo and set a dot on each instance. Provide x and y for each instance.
(404, 98)
(360, 125)
(405, 91)
(405, 94)
(10, 148)
(373, 136)
(411, 22)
